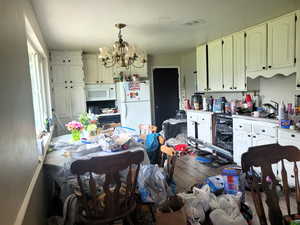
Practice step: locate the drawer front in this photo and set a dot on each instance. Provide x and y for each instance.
(192, 116)
(242, 125)
(265, 129)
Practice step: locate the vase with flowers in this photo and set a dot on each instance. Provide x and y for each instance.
(75, 128)
(89, 121)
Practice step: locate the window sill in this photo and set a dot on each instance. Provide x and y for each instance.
(43, 144)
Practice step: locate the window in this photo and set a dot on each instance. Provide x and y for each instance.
(40, 92)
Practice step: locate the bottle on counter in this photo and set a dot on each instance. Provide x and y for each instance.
(282, 115)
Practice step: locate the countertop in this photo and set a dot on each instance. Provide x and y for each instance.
(255, 118)
(108, 114)
(199, 111)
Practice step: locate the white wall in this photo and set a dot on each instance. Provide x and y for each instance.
(18, 154)
(278, 88)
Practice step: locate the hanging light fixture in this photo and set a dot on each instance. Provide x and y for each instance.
(122, 54)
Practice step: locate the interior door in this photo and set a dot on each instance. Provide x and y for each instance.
(228, 63)
(201, 68)
(239, 64)
(215, 73)
(256, 48)
(166, 94)
(281, 42)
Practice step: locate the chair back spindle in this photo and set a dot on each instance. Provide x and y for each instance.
(264, 157)
(104, 201)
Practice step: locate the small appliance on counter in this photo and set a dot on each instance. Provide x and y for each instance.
(196, 101)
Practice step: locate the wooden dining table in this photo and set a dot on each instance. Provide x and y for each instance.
(63, 151)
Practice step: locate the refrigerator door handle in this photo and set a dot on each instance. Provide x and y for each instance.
(125, 110)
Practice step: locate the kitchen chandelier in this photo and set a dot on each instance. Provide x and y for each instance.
(122, 54)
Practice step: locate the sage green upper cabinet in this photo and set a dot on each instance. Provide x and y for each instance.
(228, 63)
(256, 50)
(239, 63)
(201, 68)
(215, 67)
(281, 42)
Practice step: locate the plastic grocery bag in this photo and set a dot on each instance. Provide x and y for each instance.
(196, 204)
(152, 184)
(228, 212)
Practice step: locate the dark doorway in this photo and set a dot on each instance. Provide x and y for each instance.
(166, 94)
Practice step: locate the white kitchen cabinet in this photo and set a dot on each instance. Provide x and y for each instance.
(60, 74)
(227, 63)
(77, 100)
(256, 50)
(239, 62)
(201, 55)
(205, 127)
(215, 67)
(249, 133)
(68, 84)
(242, 138)
(202, 121)
(106, 75)
(90, 66)
(289, 138)
(95, 72)
(61, 96)
(281, 42)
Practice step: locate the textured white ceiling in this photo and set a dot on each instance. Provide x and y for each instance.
(153, 25)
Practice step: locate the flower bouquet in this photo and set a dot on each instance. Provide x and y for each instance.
(89, 122)
(75, 128)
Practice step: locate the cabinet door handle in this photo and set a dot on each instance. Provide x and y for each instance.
(235, 87)
(263, 67)
(69, 60)
(240, 126)
(249, 135)
(97, 81)
(66, 87)
(71, 86)
(101, 81)
(71, 81)
(230, 88)
(270, 67)
(209, 89)
(263, 130)
(65, 81)
(254, 136)
(293, 135)
(298, 85)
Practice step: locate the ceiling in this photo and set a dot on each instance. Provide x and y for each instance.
(157, 26)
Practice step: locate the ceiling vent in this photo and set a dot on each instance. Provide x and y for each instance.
(195, 22)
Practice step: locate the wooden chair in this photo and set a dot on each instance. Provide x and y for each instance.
(170, 154)
(118, 198)
(263, 157)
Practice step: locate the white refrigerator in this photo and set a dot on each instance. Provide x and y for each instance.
(133, 100)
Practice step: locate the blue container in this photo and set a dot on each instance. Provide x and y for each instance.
(231, 178)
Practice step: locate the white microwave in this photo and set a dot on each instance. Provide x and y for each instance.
(100, 92)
